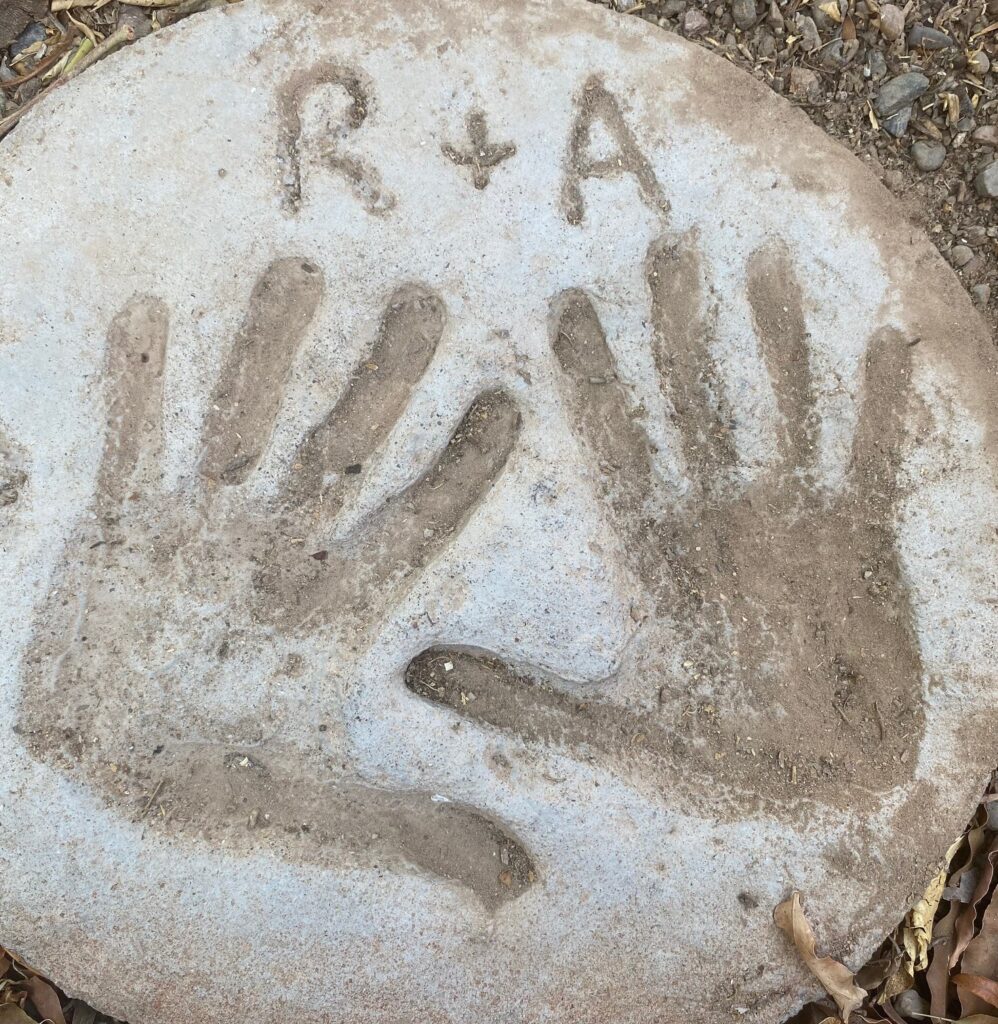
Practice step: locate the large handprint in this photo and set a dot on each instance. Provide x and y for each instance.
(777, 659)
(175, 591)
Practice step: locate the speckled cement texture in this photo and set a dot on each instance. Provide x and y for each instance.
(434, 707)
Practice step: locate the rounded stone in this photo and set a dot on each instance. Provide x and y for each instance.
(986, 182)
(891, 21)
(928, 155)
(494, 499)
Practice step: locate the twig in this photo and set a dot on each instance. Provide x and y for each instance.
(117, 39)
(65, 5)
(85, 47)
(152, 796)
(114, 41)
(52, 59)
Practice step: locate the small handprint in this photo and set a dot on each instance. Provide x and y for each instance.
(165, 625)
(778, 657)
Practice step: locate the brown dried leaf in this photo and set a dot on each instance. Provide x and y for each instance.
(45, 998)
(983, 988)
(981, 959)
(963, 933)
(937, 976)
(11, 1013)
(836, 979)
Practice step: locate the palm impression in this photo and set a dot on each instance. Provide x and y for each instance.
(778, 655)
(773, 651)
(115, 637)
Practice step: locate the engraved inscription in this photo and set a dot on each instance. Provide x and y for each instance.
(598, 106)
(480, 155)
(363, 179)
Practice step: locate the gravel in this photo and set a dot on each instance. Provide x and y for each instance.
(695, 24)
(744, 14)
(928, 38)
(891, 22)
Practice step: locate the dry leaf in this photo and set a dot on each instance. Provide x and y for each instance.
(918, 925)
(985, 989)
(11, 1013)
(981, 959)
(963, 933)
(46, 1001)
(836, 979)
(832, 10)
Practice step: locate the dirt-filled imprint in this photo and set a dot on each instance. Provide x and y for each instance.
(778, 657)
(363, 179)
(597, 106)
(153, 673)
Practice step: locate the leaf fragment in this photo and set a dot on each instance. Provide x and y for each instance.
(836, 979)
(11, 1013)
(983, 988)
(45, 998)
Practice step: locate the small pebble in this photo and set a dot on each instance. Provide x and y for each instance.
(838, 53)
(136, 19)
(976, 234)
(897, 124)
(979, 63)
(986, 183)
(928, 38)
(774, 19)
(673, 8)
(810, 37)
(986, 135)
(34, 33)
(928, 156)
(981, 294)
(877, 65)
(695, 23)
(911, 1004)
(804, 83)
(894, 180)
(743, 11)
(960, 255)
(900, 92)
(891, 22)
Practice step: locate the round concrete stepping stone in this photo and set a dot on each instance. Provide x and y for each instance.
(492, 501)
